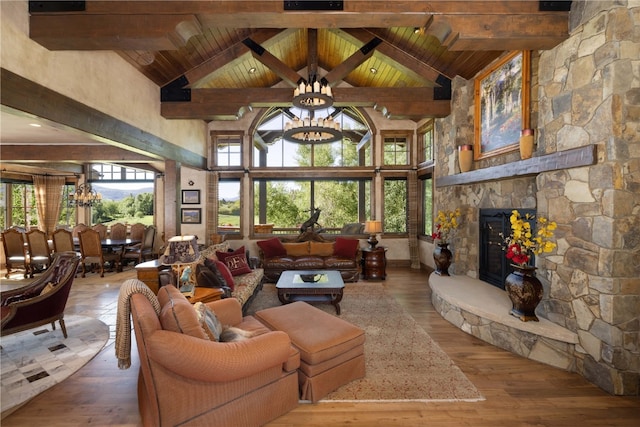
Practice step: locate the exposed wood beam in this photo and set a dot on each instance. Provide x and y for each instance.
(34, 100)
(394, 53)
(72, 152)
(216, 104)
(161, 25)
(352, 62)
(274, 64)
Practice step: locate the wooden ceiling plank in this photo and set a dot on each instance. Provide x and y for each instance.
(351, 63)
(274, 64)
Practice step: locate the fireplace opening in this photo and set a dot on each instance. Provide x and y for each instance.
(494, 265)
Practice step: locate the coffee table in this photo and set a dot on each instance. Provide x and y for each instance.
(311, 286)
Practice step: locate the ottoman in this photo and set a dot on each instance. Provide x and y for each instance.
(331, 349)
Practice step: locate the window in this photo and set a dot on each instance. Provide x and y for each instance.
(288, 203)
(23, 206)
(427, 205)
(396, 150)
(270, 149)
(108, 172)
(425, 136)
(228, 150)
(395, 206)
(229, 207)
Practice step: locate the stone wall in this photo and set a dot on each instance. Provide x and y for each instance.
(587, 92)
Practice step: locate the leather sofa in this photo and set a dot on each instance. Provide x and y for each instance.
(310, 251)
(186, 379)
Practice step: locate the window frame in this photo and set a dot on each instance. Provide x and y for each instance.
(215, 139)
(385, 230)
(396, 136)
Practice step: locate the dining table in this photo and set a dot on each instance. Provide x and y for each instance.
(111, 243)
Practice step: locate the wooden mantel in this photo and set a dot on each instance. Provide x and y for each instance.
(576, 157)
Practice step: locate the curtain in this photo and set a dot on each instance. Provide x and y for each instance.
(48, 198)
(413, 219)
(213, 178)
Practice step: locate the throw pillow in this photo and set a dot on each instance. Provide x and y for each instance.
(48, 288)
(226, 273)
(272, 247)
(236, 261)
(347, 248)
(206, 278)
(219, 278)
(297, 249)
(208, 321)
(321, 249)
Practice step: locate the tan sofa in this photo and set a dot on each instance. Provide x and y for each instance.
(186, 379)
(310, 251)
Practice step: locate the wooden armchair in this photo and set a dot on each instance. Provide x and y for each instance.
(41, 302)
(118, 231)
(143, 250)
(63, 241)
(15, 251)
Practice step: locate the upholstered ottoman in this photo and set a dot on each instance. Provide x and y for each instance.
(331, 349)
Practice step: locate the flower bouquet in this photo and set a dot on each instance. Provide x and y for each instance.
(446, 225)
(523, 242)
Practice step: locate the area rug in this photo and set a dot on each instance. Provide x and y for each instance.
(402, 362)
(36, 359)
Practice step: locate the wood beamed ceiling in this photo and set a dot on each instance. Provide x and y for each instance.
(213, 60)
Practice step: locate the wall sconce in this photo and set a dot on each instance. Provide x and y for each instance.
(372, 228)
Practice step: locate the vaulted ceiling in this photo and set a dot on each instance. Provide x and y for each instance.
(214, 60)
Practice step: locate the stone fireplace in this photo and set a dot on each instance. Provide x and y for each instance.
(584, 175)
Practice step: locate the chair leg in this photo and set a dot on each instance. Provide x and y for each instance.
(63, 327)
(84, 269)
(102, 270)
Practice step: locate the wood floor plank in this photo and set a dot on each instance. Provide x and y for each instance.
(518, 391)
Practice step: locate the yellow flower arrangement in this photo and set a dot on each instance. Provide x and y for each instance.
(447, 223)
(522, 243)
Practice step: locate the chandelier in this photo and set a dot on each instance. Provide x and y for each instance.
(311, 130)
(84, 197)
(313, 95)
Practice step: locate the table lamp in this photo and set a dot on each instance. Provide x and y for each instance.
(373, 227)
(180, 254)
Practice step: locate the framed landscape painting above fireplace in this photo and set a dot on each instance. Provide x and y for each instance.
(501, 95)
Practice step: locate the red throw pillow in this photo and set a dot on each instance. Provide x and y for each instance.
(226, 273)
(272, 247)
(347, 248)
(236, 261)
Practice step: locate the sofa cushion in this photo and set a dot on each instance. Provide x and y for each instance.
(321, 249)
(236, 261)
(226, 273)
(281, 262)
(177, 314)
(297, 249)
(347, 248)
(339, 263)
(271, 247)
(309, 263)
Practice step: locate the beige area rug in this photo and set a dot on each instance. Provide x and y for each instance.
(37, 359)
(403, 363)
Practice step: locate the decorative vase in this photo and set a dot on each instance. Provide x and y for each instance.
(442, 256)
(526, 144)
(525, 292)
(465, 157)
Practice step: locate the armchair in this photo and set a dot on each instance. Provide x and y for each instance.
(43, 300)
(15, 251)
(185, 379)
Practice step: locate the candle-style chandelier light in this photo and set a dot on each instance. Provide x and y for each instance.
(311, 96)
(84, 196)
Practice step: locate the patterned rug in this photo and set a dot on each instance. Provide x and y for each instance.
(403, 363)
(34, 360)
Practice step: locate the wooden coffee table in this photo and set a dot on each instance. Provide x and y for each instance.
(312, 286)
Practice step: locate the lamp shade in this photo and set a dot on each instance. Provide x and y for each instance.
(373, 227)
(181, 250)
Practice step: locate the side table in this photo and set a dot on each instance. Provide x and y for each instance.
(374, 263)
(148, 273)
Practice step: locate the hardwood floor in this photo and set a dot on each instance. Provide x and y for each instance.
(518, 391)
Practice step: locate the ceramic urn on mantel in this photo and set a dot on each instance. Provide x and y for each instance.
(465, 157)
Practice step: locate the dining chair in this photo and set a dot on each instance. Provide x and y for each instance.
(101, 229)
(143, 250)
(63, 241)
(39, 250)
(15, 251)
(77, 229)
(91, 252)
(118, 231)
(137, 231)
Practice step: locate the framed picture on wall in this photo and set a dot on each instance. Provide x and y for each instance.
(501, 95)
(190, 197)
(191, 215)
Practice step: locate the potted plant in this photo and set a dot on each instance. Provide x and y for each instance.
(523, 287)
(446, 225)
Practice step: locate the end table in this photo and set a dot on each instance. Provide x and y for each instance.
(374, 263)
